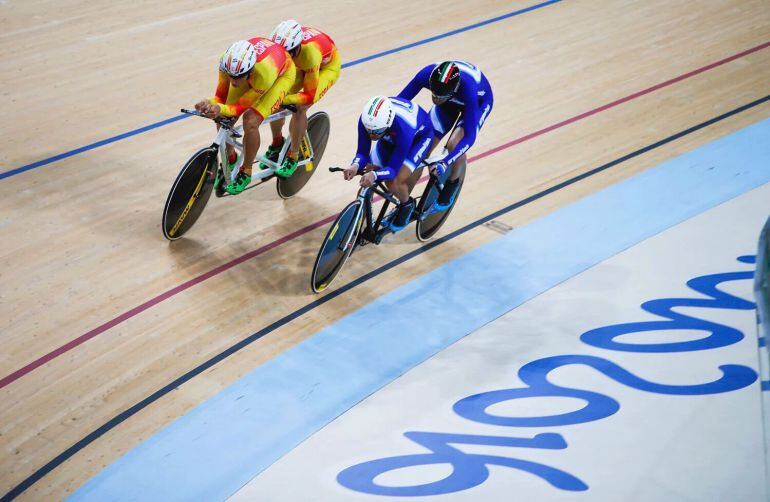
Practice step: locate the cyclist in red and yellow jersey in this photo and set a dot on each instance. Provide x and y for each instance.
(318, 68)
(254, 77)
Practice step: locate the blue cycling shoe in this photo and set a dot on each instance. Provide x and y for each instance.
(402, 217)
(447, 196)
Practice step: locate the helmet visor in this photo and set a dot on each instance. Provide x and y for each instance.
(236, 75)
(378, 132)
(437, 100)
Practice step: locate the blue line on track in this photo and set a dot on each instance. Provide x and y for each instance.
(155, 125)
(55, 158)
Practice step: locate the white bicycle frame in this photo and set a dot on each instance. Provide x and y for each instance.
(227, 135)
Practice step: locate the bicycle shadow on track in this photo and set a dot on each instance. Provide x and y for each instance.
(282, 271)
(294, 267)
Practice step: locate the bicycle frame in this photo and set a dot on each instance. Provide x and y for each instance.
(228, 134)
(356, 225)
(372, 231)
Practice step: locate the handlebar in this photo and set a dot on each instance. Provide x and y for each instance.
(225, 122)
(439, 184)
(229, 122)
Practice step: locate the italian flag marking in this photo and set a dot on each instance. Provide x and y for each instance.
(376, 107)
(445, 72)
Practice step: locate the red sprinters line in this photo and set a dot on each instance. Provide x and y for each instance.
(298, 233)
(619, 101)
(154, 301)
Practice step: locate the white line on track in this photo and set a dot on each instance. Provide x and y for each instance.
(173, 19)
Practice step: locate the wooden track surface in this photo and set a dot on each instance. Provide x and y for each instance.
(81, 239)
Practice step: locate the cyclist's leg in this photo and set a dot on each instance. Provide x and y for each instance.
(296, 86)
(452, 142)
(447, 195)
(276, 128)
(486, 107)
(275, 147)
(251, 122)
(327, 77)
(251, 139)
(443, 117)
(297, 128)
(232, 155)
(272, 99)
(380, 156)
(233, 95)
(399, 187)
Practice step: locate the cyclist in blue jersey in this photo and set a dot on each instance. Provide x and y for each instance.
(461, 95)
(402, 133)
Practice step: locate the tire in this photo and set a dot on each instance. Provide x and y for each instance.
(428, 227)
(189, 194)
(330, 257)
(318, 127)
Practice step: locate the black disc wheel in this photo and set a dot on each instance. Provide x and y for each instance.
(428, 226)
(318, 133)
(337, 246)
(189, 194)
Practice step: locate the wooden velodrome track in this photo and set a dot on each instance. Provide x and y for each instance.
(97, 310)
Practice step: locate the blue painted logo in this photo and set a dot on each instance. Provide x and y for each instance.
(470, 470)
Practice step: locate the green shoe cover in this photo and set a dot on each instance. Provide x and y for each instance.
(242, 180)
(287, 168)
(272, 154)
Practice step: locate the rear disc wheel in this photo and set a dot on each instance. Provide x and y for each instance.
(318, 127)
(427, 227)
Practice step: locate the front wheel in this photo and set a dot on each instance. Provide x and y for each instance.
(189, 194)
(430, 224)
(318, 127)
(337, 246)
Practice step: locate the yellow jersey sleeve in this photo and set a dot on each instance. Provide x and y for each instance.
(223, 86)
(309, 61)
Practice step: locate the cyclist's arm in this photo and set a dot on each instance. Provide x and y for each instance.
(470, 119)
(308, 93)
(400, 151)
(259, 84)
(310, 57)
(364, 147)
(248, 100)
(223, 87)
(419, 82)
